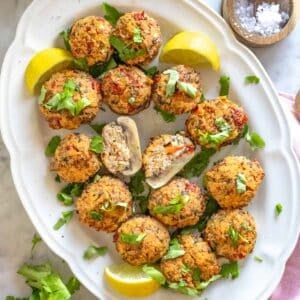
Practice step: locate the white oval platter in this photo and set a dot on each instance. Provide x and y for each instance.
(26, 134)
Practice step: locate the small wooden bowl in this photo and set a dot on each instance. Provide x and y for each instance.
(253, 39)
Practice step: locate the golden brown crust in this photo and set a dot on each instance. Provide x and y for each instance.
(180, 102)
(150, 32)
(96, 195)
(88, 88)
(241, 224)
(153, 246)
(89, 39)
(203, 120)
(221, 181)
(190, 212)
(73, 161)
(122, 84)
(197, 256)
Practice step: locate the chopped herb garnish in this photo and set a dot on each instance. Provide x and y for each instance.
(124, 52)
(73, 285)
(98, 127)
(64, 100)
(35, 240)
(165, 115)
(187, 88)
(151, 71)
(202, 98)
(240, 182)
(278, 209)
(111, 14)
(65, 218)
(96, 215)
(45, 283)
(219, 137)
(52, 145)
(70, 191)
(42, 95)
(225, 84)
(131, 100)
(185, 269)
(204, 284)
(96, 144)
(92, 252)
(259, 259)
(155, 274)
(137, 186)
(211, 208)
(132, 238)
(182, 287)
(65, 35)
(174, 207)
(254, 140)
(246, 227)
(196, 275)
(99, 70)
(233, 235)
(137, 35)
(196, 166)
(66, 199)
(251, 79)
(175, 250)
(81, 64)
(57, 178)
(230, 270)
(171, 85)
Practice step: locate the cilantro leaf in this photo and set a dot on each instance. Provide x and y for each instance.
(42, 95)
(219, 137)
(80, 105)
(254, 140)
(233, 235)
(99, 70)
(259, 259)
(182, 287)
(65, 218)
(187, 88)
(92, 252)
(70, 191)
(230, 270)
(35, 240)
(73, 285)
(174, 207)
(96, 215)
(137, 35)
(52, 145)
(155, 274)
(168, 117)
(175, 250)
(240, 182)
(125, 53)
(81, 64)
(225, 84)
(96, 144)
(204, 284)
(46, 284)
(251, 79)
(136, 184)
(171, 85)
(212, 207)
(278, 209)
(199, 162)
(151, 71)
(132, 238)
(98, 127)
(111, 14)
(66, 35)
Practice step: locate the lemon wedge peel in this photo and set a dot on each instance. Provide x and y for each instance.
(130, 280)
(43, 64)
(191, 49)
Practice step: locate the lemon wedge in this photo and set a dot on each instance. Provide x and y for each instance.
(191, 49)
(43, 65)
(130, 280)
